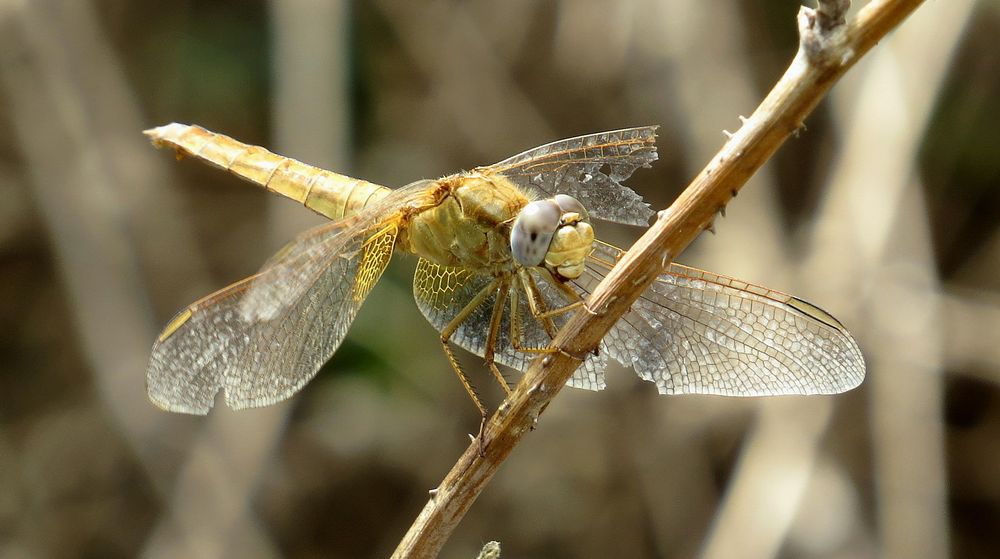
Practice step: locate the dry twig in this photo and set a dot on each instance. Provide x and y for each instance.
(827, 49)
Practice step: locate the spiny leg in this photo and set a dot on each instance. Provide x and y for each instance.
(568, 291)
(446, 333)
(537, 304)
(489, 352)
(538, 309)
(517, 331)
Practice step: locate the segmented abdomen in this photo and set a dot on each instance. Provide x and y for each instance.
(330, 194)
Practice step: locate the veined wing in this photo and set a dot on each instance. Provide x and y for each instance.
(295, 267)
(691, 332)
(442, 292)
(697, 332)
(263, 338)
(590, 168)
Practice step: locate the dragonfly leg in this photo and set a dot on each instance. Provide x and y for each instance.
(446, 333)
(489, 351)
(570, 293)
(537, 304)
(517, 330)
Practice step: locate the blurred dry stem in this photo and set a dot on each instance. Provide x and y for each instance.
(310, 122)
(864, 223)
(73, 167)
(822, 58)
(764, 255)
(889, 234)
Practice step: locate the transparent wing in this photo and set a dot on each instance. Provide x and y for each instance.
(262, 359)
(198, 347)
(697, 332)
(442, 292)
(263, 338)
(294, 268)
(591, 169)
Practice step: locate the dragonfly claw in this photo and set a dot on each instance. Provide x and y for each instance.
(481, 437)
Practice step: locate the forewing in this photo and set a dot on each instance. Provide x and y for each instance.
(295, 268)
(287, 349)
(591, 169)
(697, 332)
(442, 292)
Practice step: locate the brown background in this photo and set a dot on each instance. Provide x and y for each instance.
(883, 211)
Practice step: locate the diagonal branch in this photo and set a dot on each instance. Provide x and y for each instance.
(827, 49)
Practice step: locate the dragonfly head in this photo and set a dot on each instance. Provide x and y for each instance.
(554, 233)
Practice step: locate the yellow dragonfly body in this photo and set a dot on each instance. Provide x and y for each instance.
(505, 251)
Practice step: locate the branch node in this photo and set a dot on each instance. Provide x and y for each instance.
(727, 134)
(832, 13)
(591, 311)
(665, 259)
(490, 551)
(640, 280)
(822, 32)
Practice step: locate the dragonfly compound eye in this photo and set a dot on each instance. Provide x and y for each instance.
(569, 204)
(533, 230)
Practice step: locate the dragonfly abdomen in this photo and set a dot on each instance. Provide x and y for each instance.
(329, 194)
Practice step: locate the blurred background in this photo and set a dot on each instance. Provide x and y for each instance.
(883, 210)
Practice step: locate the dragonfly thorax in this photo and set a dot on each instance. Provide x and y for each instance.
(469, 227)
(553, 233)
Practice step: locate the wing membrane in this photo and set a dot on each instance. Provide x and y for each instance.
(697, 332)
(591, 169)
(263, 338)
(294, 269)
(192, 356)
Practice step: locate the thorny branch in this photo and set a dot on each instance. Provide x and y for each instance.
(829, 46)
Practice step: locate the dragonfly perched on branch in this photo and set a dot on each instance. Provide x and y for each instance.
(505, 253)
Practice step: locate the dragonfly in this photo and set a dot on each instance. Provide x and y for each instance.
(505, 253)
